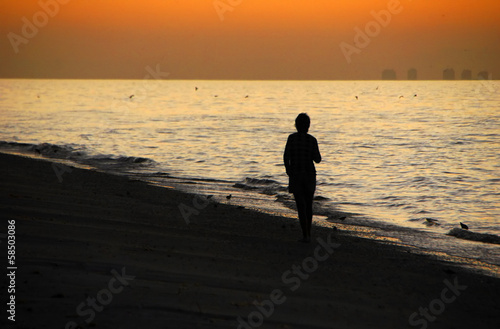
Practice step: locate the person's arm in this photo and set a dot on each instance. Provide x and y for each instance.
(286, 156)
(316, 154)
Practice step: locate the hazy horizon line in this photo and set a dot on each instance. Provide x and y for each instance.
(200, 79)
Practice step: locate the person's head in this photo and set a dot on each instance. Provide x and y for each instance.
(302, 123)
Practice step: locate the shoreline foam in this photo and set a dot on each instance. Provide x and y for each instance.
(257, 194)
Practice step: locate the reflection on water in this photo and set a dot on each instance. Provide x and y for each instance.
(399, 152)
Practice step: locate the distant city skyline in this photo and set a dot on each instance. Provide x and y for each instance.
(448, 74)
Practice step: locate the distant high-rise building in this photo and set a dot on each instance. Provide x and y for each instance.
(449, 74)
(388, 74)
(412, 74)
(483, 75)
(466, 75)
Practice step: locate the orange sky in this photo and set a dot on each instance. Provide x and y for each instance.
(257, 39)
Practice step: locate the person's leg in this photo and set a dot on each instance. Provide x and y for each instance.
(308, 202)
(308, 198)
(301, 211)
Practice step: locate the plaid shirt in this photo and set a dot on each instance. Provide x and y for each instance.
(300, 152)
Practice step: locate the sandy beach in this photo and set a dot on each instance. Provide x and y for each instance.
(95, 250)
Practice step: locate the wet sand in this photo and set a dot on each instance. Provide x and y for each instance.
(103, 251)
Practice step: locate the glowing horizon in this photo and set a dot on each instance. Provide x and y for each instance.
(272, 39)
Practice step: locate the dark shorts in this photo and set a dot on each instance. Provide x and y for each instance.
(302, 183)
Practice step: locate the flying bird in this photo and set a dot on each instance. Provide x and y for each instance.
(462, 225)
(229, 197)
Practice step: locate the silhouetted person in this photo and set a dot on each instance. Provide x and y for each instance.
(300, 151)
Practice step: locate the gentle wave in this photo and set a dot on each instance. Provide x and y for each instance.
(79, 154)
(274, 188)
(474, 236)
(262, 185)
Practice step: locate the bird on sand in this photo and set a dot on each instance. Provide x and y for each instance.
(462, 225)
(229, 197)
(431, 221)
(357, 97)
(131, 96)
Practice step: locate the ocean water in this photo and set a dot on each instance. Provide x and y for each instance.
(417, 156)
